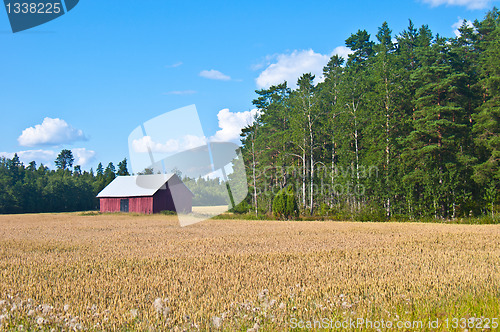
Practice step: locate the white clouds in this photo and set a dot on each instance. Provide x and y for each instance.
(458, 24)
(232, 123)
(214, 75)
(192, 141)
(470, 4)
(265, 61)
(342, 51)
(82, 156)
(187, 142)
(50, 132)
(180, 92)
(257, 66)
(175, 65)
(146, 143)
(289, 67)
(40, 156)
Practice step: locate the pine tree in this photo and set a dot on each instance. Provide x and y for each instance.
(65, 159)
(122, 168)
(109, 173)
(271, 138)
(100, 170)
(354, 96)
(305, 117)
(487, 117)
(251, 156)
(291, 207)
(435, 145)
(329, 92)
(279, 205)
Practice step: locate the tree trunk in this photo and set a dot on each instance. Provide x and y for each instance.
(304, 169)
(311, 163)
(333, 172)
(387, 147)
(254, 179)
(356, 145)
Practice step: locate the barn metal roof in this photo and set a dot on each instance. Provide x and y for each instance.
(138, 185)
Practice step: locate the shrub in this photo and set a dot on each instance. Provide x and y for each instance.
(371, 213)
(168, 213)
(241, 208)
(285, 204)
(291, 207)
(279, 205)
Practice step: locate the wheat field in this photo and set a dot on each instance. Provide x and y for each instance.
(130, 272)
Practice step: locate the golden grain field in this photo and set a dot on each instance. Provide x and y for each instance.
(127, 272)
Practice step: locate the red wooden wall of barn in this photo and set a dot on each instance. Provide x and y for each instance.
(135, 204)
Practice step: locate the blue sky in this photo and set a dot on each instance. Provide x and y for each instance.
(86, 80)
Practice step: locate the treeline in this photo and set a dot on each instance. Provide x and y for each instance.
(406, 126)
(30, 189)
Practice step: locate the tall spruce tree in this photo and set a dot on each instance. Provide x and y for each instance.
(122, 168)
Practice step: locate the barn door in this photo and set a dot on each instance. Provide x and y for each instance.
(124, 205)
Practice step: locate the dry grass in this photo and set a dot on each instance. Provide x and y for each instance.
(213, 210)
(145, 272)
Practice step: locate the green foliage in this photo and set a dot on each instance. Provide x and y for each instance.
(241, 208)
(208, 191)
(28, 189)
(65, 159)
(291, 206)
(110, 172)
(422, 113)
(279, 205)
(122, 168)
(89, 213)
(168, 213)
(242, 216)
(100, 169)
(398, 131)
(285, 204)
(371, 213)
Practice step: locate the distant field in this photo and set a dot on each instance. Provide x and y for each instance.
(213, 210)
(146, 273)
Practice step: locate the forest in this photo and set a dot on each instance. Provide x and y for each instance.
(406, 127)
(32, 189)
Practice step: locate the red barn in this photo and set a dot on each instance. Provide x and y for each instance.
(146, 194)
